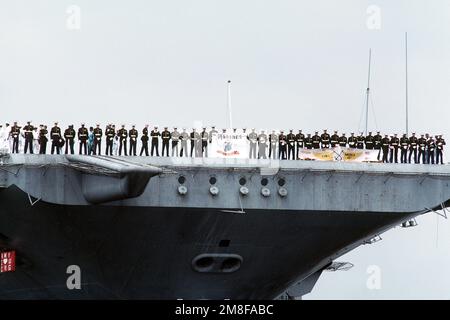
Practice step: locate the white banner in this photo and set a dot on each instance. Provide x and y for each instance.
(236, 145)
(340, 154)
(229, 145)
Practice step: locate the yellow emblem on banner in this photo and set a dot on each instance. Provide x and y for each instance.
(324, 155)
(351, 155)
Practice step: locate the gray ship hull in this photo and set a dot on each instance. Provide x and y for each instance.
(137, 231)
(146, 253)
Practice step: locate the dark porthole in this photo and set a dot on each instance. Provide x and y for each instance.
(204, 263)
(242, 181)
(212, 180)
(217, 262)
(264, 181)
(181, 179)
(281, 182)
(230, 265)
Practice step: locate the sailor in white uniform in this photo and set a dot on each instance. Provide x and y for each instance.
(4, 144)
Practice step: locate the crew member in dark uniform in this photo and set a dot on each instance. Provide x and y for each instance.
(377, 141)
(273, 141)
(155, 141)
(431, 146)
(352, 141)
(394, 144)
(343, 141)
(308, 142)
(360, 141)
(15, 134)
(422, 142)
(325, 139)
(194, 141)
(28, 131)
(334, 139)
(290, 138)
(300, 138)
(316, 141)
(404, 144)
(123, 135)
(144, 139)
(98, 134)
(413, 143)
(82, 138)
(55, 135)
(369, 141)
(69, 135)
(204, 137)
(385, 142)
(165, 136)
(133, 134)
(440, 143)
(282, 145)
(110, 134)
(43, 140)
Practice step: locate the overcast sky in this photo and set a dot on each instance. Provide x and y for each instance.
(294, 64)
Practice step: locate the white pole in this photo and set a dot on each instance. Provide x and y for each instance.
(368, 92)
(230, 116)
(406, 74)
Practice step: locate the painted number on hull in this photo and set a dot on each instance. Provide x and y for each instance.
(8, 261)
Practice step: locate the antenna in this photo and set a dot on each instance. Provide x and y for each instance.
(230, 117)
(406, 74)
(368, 92)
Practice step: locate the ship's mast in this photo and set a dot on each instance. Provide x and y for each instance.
(406, 75)
(368, 92)
(230, 117)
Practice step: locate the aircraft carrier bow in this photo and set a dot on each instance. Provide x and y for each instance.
(170, 228)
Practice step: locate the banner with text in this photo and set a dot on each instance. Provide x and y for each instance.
(236, 145)
(340, 154)
(229, 145)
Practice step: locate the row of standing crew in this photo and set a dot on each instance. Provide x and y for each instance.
(426, 149)
(117, 141)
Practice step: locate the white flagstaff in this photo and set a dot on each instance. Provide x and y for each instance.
(406, 76)
(368, 93)
(230, 117)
